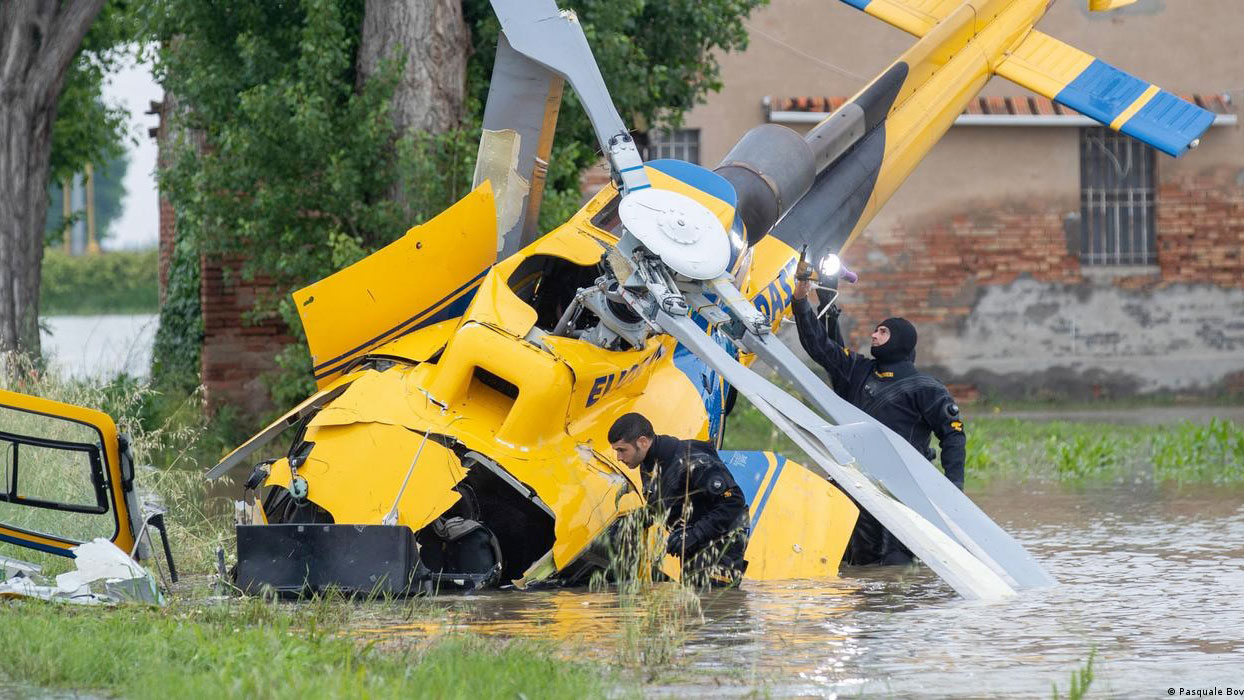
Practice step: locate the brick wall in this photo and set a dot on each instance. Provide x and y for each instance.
(165, 245)
(239, 347)
(1200, 222)
(939, 272)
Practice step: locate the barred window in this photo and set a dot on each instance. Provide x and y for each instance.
(1116, 199)
(681, 144)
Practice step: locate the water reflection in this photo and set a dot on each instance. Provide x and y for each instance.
(1149, 578)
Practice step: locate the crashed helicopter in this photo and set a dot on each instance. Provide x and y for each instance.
(469, 371)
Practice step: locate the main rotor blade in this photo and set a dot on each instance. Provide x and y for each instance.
(965, 573)
(553, 38)
(520, 118)
(893, 462)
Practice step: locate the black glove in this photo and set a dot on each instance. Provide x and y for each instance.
(683, 539)
(674, 544)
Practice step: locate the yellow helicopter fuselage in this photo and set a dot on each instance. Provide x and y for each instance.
(497, 388)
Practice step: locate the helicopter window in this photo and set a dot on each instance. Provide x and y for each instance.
(549, 284)
(607, 218)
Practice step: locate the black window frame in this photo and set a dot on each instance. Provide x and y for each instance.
(1118, 200)
(9, 493)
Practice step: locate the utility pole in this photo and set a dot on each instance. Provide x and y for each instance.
(78, 244)
(66, 189)
(92, 245)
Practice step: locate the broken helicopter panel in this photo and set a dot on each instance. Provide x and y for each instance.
(469, 371)
(69, 488)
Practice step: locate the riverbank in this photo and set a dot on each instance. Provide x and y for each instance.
(1161, 445)
(1121, 514)
(201, 647)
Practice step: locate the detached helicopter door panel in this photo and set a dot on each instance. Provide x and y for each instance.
(61, 481)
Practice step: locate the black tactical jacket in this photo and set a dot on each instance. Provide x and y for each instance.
(912, 404)
(686, 480)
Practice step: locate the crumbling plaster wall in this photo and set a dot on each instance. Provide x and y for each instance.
(1030, 338)
(1005, 307)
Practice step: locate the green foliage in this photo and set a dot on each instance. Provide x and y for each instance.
(87, 130)
(296, 153)
(979, 458)
(1081, 679)
(659, 60)
(109, 200)
(253, 648)
(1212, 453)
(120, 282)
(1083, 455)
(299, 155)
(179, 339)
(1072, 453)
(748, 429)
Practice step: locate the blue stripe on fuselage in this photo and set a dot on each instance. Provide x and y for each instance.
(701, 178)
(749, 470)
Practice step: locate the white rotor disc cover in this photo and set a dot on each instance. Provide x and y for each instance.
(682, 232)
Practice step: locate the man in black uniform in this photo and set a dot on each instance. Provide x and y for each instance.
(687, 483)
(887, 387)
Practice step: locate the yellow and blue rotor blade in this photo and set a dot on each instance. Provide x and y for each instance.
(1100, 91)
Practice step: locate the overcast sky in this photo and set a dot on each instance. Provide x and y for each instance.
(139, 225)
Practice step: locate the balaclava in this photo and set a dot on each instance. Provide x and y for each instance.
(901, 345)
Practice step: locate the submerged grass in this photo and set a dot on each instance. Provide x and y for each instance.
(257, 648)
(1183, 453)
(1081, 680)
(1202, 454)
(659, 613)
(1013, 449)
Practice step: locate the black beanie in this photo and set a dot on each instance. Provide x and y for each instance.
(902, 343)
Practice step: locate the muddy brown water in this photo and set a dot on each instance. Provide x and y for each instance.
(1150, 578)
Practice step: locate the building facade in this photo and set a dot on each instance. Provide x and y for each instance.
(1039, 254)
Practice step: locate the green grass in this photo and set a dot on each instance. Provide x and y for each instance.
(1010, 449)
(254, 648)
(1105, 404)
(748, 429)
(1013, 449)
(114, 282)
(1081, 680)
(1200, 454)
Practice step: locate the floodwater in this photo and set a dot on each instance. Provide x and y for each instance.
(1149, 578)
(99, 347)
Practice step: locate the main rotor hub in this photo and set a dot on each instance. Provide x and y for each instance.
(687, 237)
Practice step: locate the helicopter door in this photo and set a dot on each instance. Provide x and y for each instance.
(62, 481)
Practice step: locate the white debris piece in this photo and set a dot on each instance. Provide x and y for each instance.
(16, 567)
(104, 575)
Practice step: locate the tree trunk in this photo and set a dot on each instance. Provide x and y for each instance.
(38, 40)
(432, 38)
